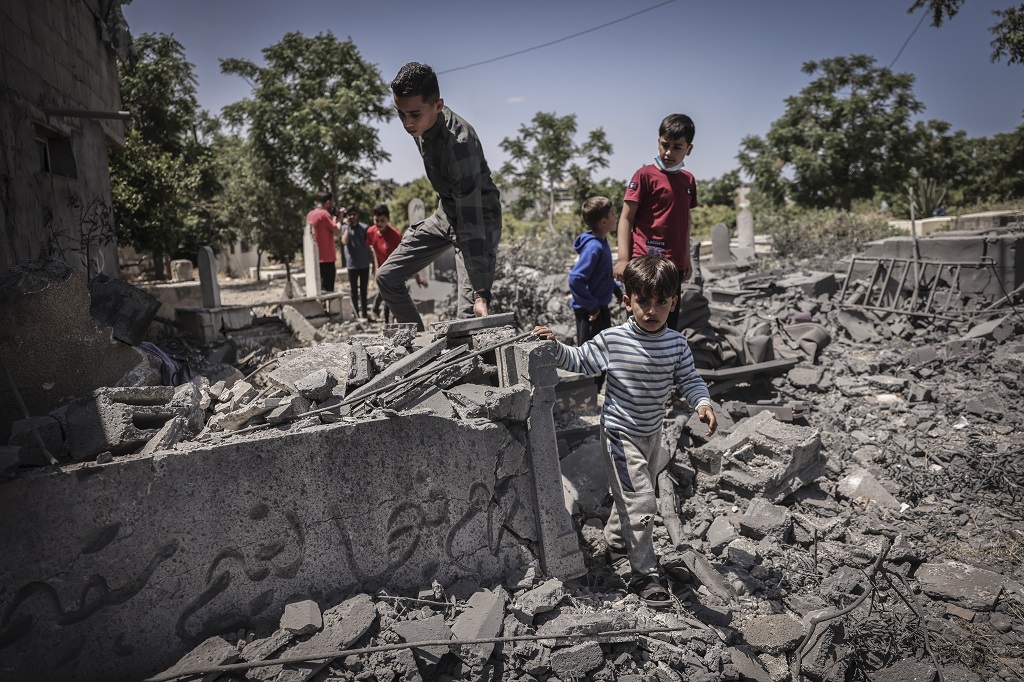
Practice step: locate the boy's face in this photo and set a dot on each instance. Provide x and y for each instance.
(381, 221)
(650, 310)
(417, 115)
(610, 222)
(673, 150)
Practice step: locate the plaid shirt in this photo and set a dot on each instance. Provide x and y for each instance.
(469, 201)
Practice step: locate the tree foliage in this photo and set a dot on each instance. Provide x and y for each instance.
(313, 111)
(162, 182)
(719, 191)
(545, 160)
(842, 138)
(1008, 42)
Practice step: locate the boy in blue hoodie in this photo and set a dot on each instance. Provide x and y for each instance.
(591, 280)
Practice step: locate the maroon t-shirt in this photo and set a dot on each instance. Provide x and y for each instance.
(662, 223)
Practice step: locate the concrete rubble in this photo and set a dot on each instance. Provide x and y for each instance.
(436, 504)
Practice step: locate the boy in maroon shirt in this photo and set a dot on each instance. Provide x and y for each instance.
(655, 218)
(383, 238)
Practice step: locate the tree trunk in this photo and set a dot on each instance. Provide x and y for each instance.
(259, 262)
(551, 207)
(158, 264)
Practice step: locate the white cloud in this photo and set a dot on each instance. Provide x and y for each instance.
(518, 99)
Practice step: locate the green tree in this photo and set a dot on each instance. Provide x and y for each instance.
(545, 159)
(719, 191)
(844, 137)
(313, 112)
(162, 181)
(1008, 31)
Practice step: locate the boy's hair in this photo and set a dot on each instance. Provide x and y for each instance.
(651, 276)
(595, 209)
(381, 209)
(416, 79)
(324, 197)
(675, 126)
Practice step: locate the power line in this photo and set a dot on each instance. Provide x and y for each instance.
(907, 41)
(558, 40)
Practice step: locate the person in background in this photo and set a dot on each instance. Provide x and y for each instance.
(325, 229)
(357, 257)
(383, 238)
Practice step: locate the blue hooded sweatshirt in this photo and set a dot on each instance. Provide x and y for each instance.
(591, 280)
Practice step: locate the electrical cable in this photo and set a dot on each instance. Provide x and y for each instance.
(907, 41)
(557, 40)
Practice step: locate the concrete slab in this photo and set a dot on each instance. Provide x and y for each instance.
(300, 326)
(540, 599)
(343, 626)
(460, 327)
(964, 585)
(432, 629)
(773, 634)
(860, 485)
(248, 535)
(476, 400)
(575, 661)
(296, 366)
(482, 619)
(762, 519)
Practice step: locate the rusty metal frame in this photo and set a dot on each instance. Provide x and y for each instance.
(922, 301)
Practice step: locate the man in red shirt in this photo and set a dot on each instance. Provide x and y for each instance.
(325, 229)
(383, 238)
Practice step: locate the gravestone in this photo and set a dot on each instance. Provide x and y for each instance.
(181, 270)
(745, 229)
(208, 278)
(311, 261)
(417, 211)
(720, 252)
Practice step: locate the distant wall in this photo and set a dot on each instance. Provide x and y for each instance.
(54, 181)
(112, 572)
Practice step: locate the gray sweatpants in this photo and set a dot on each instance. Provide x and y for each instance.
(633, 464)
(421, 245)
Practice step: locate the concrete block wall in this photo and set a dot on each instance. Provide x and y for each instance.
(113, 571)
(52, 55)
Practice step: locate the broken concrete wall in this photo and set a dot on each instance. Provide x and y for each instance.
(114, 571)
(51, 345)
(53, 169)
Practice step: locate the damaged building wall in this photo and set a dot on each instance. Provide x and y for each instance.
(54, 180)
(145, 557)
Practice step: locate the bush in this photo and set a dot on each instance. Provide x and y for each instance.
(827, 233)
(703, 218)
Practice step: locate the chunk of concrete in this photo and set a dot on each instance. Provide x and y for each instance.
(763, 519)
(462, 327)
(298, 324)
(338, 359)
(588, 623)
(23, 436)
(53, 348)
(773, 634)
(343, 625)
(762, 457)
(748, 665)
(474, 400)
(721, 533)
(124, 308)
(575, 661)
(907, 670)
(302, 617)
(997, 330)
(435, 401)
(181, 270)
(318, 385)
(432, 629)
(482, 619)
(964, 585)
(540, 599)
(169, 435)
(860, 485)
(109, 419)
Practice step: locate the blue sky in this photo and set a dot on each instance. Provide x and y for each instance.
(727, 63)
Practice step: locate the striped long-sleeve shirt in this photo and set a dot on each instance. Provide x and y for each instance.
(642, 368)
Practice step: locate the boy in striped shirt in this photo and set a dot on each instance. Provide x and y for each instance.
(644, 361)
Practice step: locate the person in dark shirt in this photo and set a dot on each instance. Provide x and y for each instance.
(469, 208)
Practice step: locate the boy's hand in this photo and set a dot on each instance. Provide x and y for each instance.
(620, 267)
(543, 333)
(707, 415)
(480, 307)
(593, 316)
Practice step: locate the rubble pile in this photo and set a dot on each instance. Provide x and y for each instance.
(858, 518)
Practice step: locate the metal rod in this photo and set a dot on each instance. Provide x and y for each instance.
(933, 287)
(849, 275)
(87, 113)
(885, 309)
(24, 411)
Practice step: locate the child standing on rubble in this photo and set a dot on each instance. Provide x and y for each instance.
(590, 281)
(655, 216)
(645, 361)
